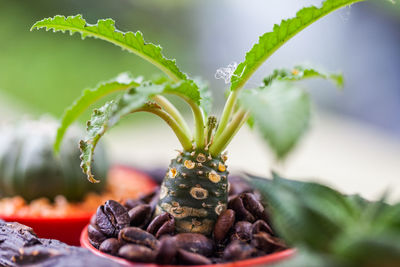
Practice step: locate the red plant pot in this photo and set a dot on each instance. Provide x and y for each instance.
(259, 261)
(68, 229)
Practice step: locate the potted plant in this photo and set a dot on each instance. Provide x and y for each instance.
(46, 192)
(192, 204)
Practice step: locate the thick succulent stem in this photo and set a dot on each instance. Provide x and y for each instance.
(194, 191)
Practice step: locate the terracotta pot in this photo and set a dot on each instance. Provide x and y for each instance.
(261, 261)
(68, 229)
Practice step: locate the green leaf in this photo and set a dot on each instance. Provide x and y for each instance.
(105, 30)
(96, 127)
(271, 41)
(123, 81)
(281, 112)
(303, 72)
(136, 99)
(293, 217)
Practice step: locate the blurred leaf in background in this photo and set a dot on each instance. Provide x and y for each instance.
(329, 227)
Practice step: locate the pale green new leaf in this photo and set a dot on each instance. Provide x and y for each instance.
(105, 30)
(281, 113)
(300, 72)
(124, 81)
(271, 41)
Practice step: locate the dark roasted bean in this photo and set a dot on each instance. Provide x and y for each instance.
(140, 215)
(247, 207)
(95, 236)
(111, 218)
(138, 236)
(110, 246)
(242, 231)
(238, 250)
(196, 243)
(189, 258)
(167, 251)
(241, 212)
(162, 224)
(261, 226)
(224, 223)
(137, 253)
(266, 242)
(253, 205)
(131, 203)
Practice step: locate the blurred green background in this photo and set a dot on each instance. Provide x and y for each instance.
(44, 72)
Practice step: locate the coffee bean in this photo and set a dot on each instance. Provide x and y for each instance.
(162, 224)
(253, 205)
(189, 258)
(152, 198)
(238, 250)
(167, 251)
(242, 231)
(247, 207)
(196, 243)
(111, 218)
(96, 237)
(224, 223)
(242, 213)
(266, 242)
(137, 253)
(110, 246)
(140, 215)
(131, 203)
(138, 236)
(261, 226)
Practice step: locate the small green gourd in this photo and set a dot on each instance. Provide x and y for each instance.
(29, 168)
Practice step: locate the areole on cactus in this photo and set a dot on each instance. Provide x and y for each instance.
(195, 186)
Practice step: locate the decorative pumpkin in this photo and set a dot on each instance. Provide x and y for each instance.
(29, 168)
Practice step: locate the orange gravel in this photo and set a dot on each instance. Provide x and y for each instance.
(122, 183)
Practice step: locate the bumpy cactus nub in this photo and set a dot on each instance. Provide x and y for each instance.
(195, 191)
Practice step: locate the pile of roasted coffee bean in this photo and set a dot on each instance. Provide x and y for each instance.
(130, 231)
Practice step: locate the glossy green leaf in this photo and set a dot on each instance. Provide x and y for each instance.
(281, 113)
(105, 30)
(271, 41)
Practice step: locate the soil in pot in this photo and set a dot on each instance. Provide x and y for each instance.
(130, 230)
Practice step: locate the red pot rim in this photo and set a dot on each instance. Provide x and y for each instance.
(268, 259)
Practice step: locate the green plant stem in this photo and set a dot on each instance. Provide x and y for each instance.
(171, 110)
(233, 127)
(226, 113)
(198, 115)
(185, 140)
